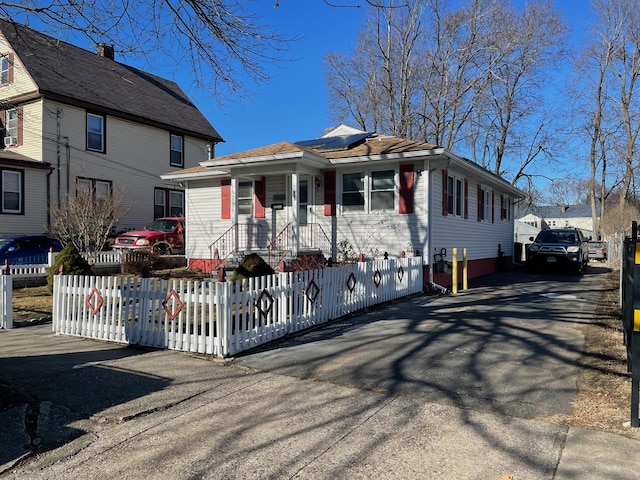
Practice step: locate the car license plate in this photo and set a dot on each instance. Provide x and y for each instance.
(551, 259)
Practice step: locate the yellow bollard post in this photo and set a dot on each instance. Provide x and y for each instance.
(465, 276)
(454, 271)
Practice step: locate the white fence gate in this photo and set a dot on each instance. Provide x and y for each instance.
(6, 302)
(225, 318)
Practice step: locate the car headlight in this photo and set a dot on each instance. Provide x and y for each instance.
(574, 249)
(534, 248)
(142, 241)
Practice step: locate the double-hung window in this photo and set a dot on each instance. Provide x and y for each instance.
(382, 190)
(369, 191)
(177, 152)
(455, 196)
(95, 132)
(353, 192)
(168, 203)
(486, 204)
(12, 191)
(6, 69)
(11, 127)
(98, 190)
(245, 198)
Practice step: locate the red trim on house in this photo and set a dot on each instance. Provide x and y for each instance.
(329, 193)
(259, 198)
(445, 200)
(475, 268)
(225, 192)
(406, 189)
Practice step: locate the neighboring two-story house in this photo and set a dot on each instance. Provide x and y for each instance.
(72, 118)
(353, 192)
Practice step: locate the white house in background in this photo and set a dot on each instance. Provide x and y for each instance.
(370, 193)
(555, 216)
(73, 119)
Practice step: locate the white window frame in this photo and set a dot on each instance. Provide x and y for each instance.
(6, 190)
(11, 123)
(95, 133)
(96, 187)
(4, 69)
(170, 201)
(455, 196)
(368, 191)
(174, 139)
(245, 202)
(486, 204)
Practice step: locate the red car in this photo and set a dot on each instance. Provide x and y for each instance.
(164, 236)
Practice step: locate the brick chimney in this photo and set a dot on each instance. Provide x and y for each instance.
(563, 207)
(104, 50)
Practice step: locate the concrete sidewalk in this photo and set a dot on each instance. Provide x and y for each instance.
(105, 411)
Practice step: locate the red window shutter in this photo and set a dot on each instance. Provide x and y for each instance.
(493, 207)
(445, 207)
(329, 194)
(466, 199)
(10, 71)
(225, 191)
(406, 189)
(259, 198)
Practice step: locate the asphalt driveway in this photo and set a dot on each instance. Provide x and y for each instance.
(510, 348)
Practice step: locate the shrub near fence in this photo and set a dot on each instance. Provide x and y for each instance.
(224, 318)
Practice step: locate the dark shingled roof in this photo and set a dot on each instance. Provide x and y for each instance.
(73, 75)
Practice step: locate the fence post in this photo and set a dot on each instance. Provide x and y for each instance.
(6, 302)
(454, 271)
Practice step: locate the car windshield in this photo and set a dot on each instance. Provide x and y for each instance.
(5, 241)
(162, 225)
(548, 236)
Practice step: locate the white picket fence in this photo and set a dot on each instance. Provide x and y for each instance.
(112, 257)
(224, 318)
(6, 302)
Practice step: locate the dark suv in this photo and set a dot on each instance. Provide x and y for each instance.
(564, 248)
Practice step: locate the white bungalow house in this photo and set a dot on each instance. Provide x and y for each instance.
(72, 118)
(348, 193)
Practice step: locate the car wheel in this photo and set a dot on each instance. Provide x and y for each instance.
(162, 249)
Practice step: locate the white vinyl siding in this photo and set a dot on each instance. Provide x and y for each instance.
(132, 162)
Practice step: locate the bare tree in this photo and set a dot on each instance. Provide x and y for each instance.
(86, 220)
(218, 39)
(465, 76)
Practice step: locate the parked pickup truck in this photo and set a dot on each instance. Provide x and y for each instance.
(164, 236)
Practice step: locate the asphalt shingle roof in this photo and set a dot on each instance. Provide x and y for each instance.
(66, 72)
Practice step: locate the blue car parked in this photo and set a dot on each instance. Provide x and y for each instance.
(27, 249)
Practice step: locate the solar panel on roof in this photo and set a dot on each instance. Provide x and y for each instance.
(327, 144)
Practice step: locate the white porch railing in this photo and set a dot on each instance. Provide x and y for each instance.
(6, 303)
(224, 318)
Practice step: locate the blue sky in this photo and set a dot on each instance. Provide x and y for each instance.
(293, 105)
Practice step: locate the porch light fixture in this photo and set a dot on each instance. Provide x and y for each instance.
(317, 183)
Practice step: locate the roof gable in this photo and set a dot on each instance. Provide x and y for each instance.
(71, 74)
